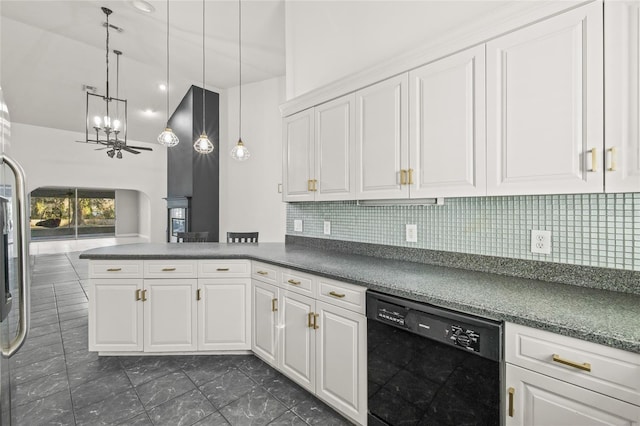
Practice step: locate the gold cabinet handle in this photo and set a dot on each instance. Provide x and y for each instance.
(222, 269)
(410, 176)
(274, 305)
(403, 177)
(310, 185)
(138, 295)
(512, 392)
(594, 159)
(338, 295)
(263, 273)
(585, 366)
(168, 269)
(315, 321)
(294, 282)
(310, 320)
(198, 294)
(114, 269)
(315, 185)
(612, 159)
(144, 295)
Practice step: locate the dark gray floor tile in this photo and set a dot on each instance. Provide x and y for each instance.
(289, 393)
(114, 409)
(42, 310)
(315, 412)
(66, 316)
(40, 388)
(64, 302)
(207, 368)
(83, 372)
(162, 389)
(67, 309)
(75, 333)
(39, 342)
(257, 407)
(215, 419)
(227, 388)
(45, 320)
(149, 368)
(259, 370)
(139, 420)
(23, 358)
(54, 277)
(289, 418)
(81, 356)
(184, 410)
(41, 411)
(38, 369)
(98, 389)
(41, 330)
(79, 322)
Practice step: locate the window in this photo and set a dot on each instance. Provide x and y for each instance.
(72, 213)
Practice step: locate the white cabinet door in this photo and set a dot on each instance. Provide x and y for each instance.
(170, 320)
(622, 100)
(382, 139)
(545, 106)
(265, 316)
(298, 340)
(447, 127)
(224, 314)
(115, 315)
(335, 149)
(544, 401)
(298, 156)
(341, 371)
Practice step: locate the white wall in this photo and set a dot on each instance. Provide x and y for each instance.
(126, 213)
(249, 198)
(51, 157)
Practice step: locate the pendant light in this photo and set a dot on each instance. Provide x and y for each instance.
(203, 145)
(240, 152)
(167, 137)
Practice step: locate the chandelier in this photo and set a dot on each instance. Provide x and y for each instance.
(106, 118)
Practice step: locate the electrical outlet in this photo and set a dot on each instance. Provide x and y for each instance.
(297, 225)
(327, 227)
(412, 233)
(540, 241)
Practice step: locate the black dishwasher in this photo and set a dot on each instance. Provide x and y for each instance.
(431, 366)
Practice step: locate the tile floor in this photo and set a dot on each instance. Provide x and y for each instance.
(56, 381)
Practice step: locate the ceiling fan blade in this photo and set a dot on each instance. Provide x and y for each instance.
(141, 148)
(100, 149)
(128, 149)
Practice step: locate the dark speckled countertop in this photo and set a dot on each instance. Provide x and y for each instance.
(601, 316)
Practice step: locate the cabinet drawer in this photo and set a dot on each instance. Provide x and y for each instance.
(224, 268)
(115, 269)
(337, 293)
(298, 282)
(264, 272)
(170, 269)
(607, 370)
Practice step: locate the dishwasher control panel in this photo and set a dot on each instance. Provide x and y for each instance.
(464, 337)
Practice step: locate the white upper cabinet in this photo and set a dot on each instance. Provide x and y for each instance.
(447, 127)
(298, 156)
(622, 102)
(335, 149)
(382, 140)
(545, 106)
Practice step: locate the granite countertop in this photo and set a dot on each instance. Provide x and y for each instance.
(605, 317)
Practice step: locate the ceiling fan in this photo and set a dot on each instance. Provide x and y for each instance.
(117, 146)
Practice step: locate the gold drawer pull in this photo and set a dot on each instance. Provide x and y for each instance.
(585, 366)
(274, 305)
(262, 273)
(310, 320)
(338, 295)
(144, 295)
(222, 269)
(512, 392)
(168, 269)
(198, 294)
(138, 294)
(114, 269)
(315, 321)
(294, 282)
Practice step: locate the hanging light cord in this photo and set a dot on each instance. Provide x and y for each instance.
(240, 69)
(203, 62)
(107, 56)
(167, 63)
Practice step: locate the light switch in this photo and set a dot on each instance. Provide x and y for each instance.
(412, 233)
(297, 225)
(327, 227)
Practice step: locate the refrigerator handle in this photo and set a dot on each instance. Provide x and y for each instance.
(23, 245)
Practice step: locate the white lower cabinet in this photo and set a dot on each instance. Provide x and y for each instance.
(321, 345)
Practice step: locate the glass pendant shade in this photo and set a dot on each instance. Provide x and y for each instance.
(168, 138)
(203, 145)
(240, 152)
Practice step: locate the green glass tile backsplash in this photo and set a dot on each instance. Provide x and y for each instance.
(587, 229)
